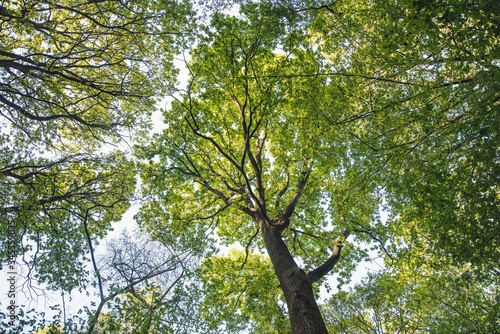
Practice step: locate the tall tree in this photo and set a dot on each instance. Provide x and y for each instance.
(245, 153)
(288, 140)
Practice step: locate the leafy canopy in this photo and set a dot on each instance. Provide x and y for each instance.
(372, 103)
(244, 134)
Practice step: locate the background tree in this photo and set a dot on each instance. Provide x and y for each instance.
(136, 281)
(438, 62)
(77, 80)
(442, 161)
(433, 298)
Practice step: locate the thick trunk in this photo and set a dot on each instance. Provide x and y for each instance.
(305, 316)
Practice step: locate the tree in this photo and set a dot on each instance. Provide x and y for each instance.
(77, 80)
(288, 140)
(435, 297)
(136, 280)
(64, 67)
(238, 154)
(442, 160)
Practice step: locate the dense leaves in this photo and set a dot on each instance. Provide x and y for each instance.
(298, 122)
(238, 287)
(241, 135)
(424, 300)
(73, 69)
(53, 203)
(380, 104)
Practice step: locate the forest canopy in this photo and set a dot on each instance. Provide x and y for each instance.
(303, 139)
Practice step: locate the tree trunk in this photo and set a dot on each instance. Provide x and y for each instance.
(305, 316)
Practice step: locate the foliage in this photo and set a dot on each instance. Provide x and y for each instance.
(49, 330)
(245, 139)
(429, 113)
(443, 299)
(55, 203)
(72, 70)
(381, 103)
(240, 111)
(316, 118)
(237, 287)
(78, 79)
(460, 156)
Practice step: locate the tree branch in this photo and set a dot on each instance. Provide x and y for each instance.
(248, 246)
(73, 117)
(290, 209)
(282, 191)
(333, 74)
(93, 321)
(371, 233)
(328, 265)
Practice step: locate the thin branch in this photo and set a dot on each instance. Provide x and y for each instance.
(332, 74)
(290, 209)
(9, 170)
(377, 239)
(73, 117)
(93, 320)
(248, 246)
(305, 233)
(282, 191)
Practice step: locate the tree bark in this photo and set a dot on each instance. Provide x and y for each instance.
(304, 313)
